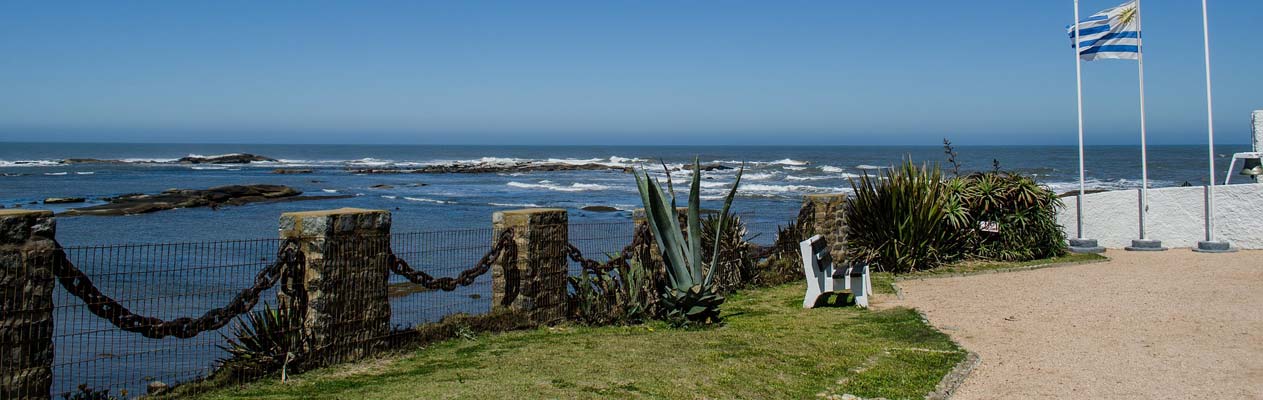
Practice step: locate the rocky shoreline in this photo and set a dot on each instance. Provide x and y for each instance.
(236, 158)
(233, 195)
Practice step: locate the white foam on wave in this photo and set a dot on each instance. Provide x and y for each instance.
(85, 172)
(329, 190)
(29, 163)
(808, 178)
(758, 188)
(191, 155)
(794, 168)
(55, 173)
(206, 168)
(830, 169)
(526, 205)
(759, 176)
(425, 200)
(549, 185)
(1097, 184)
(866, 166)
(789, 161)
(390, 197)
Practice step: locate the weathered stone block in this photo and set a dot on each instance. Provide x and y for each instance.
(828, 213)
(534, 283)
(341, 290)
(27, 253)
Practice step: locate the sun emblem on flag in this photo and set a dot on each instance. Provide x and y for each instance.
(1127, 15)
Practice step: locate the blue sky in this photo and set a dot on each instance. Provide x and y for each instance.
(616, 72)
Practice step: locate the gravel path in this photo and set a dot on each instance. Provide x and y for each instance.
(1173, 324)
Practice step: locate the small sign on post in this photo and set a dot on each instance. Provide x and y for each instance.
(989, 226)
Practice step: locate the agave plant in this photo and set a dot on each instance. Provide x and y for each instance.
(690, 295)
(264, 342)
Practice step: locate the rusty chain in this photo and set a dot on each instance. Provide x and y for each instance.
(505, 247)
(640, 238)
(79, 285)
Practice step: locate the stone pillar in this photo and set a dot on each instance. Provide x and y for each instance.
(828, 214)
(26, 303)
(534, 283)
(340, 292)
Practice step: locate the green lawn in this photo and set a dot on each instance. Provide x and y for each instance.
(768, 347)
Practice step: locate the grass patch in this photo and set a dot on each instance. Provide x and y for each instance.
(769, 347)
(882, 280)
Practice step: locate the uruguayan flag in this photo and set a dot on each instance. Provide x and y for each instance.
(1113, 33)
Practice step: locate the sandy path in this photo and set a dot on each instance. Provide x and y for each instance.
(1175, 324)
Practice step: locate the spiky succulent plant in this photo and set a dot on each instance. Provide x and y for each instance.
(690, 294)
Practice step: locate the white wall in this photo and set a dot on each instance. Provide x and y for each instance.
(1176, 216)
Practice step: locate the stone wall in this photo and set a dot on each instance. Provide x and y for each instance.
(1176, 216)
(534, 283)
(27, 250)
(342, 288)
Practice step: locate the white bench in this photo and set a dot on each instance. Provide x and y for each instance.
(823, 279)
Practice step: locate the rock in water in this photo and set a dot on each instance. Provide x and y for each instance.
(64, 200)
(241, 158)
(286, 171)
(599, 209)
(234, 195)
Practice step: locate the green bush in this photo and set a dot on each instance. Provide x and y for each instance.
(1024, 211)
(905, 219)
(625, 296)
(735, 266)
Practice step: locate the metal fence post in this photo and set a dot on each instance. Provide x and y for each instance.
(828, 212)
(341, 291)
(27, 250)
(534, 283)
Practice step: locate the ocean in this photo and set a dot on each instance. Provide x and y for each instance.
(776, 179)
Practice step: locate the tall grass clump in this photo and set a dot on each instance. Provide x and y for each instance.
(905, 219)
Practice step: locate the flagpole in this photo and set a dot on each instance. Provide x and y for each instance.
(1078, 75)
(1143, 244)
(1210, 131)
(1080, 244)
(1210, 245)
(1144, 149)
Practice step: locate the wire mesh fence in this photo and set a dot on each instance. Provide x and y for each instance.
(600, 240)
(439, 253)
(162, 280)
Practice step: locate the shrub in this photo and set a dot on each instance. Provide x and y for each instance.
(735, 266)
(263, 342)
(905, 219)
(625, 296)
(1024, 211)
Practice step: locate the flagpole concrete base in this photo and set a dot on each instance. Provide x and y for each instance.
(1214, 247)
(1085, 246)
(1145, 245)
